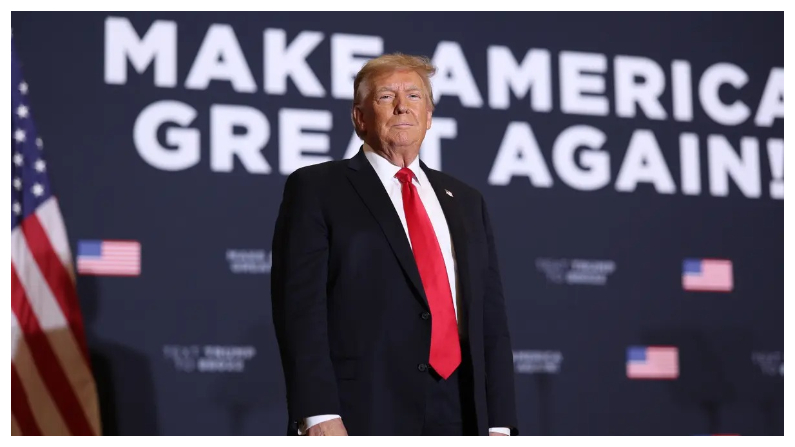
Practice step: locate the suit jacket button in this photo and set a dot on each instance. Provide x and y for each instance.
(425, 315)
(422, 367)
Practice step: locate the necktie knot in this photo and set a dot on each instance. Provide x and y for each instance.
(405, 175)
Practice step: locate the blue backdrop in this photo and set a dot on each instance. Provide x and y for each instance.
(619, 154)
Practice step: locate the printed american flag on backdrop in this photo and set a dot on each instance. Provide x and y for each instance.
(52, 385)
(652, 362)
(110, 258)
(707, 275)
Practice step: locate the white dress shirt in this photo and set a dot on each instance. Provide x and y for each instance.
(386, 173)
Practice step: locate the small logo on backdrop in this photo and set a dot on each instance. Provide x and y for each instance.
(251, 262)
(209, 358)
(652, 362)
(771, 363)
(108, 258)
(592, 272)
(537, 362)
(707, 275)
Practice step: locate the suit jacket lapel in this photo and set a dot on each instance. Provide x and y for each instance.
(458, 232)
(371, 190)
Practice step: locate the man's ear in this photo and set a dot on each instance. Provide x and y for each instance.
(358, 119)
(430, 120)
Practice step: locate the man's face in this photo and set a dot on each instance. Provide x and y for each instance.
(395, 113)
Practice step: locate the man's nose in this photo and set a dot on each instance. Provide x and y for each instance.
(400, 105)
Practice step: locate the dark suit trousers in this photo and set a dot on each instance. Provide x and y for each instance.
(449, 404)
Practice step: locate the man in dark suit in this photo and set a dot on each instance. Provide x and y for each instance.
(386, 293)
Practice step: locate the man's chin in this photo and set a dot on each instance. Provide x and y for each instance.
(404, 139)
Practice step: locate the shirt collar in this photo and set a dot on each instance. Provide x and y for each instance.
(386, 170)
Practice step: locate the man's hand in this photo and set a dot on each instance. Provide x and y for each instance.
(333, 427)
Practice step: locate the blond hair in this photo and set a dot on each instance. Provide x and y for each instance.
(388, 63)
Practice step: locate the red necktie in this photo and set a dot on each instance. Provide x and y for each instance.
(445, 348)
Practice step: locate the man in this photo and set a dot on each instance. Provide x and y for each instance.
(386, 293)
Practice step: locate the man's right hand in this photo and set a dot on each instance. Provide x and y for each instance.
(333, 427)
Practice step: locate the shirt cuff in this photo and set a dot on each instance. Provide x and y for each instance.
(314, 420)
(503, 430)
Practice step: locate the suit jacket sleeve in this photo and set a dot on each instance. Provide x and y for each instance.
(298, 297)
(500, 396)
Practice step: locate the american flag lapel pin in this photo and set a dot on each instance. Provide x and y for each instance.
(448, 192)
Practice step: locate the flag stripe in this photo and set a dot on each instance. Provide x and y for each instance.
(56, 276)
(47, 362)
(110, 248)
(711, 283)
(16, 335)
(20, 408)
(109, 268)
(78, 373)
(109, 271)
(635, 372)
(42, 405)
(90, 262)
(113, 255)
(49, 214)
(15, 430)
(120, 249)
(656, 366)
(641, 369)
(44, 307)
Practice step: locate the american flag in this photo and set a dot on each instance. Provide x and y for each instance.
(652, 362)
(109, 258)
(52, 385)
(711, 275)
